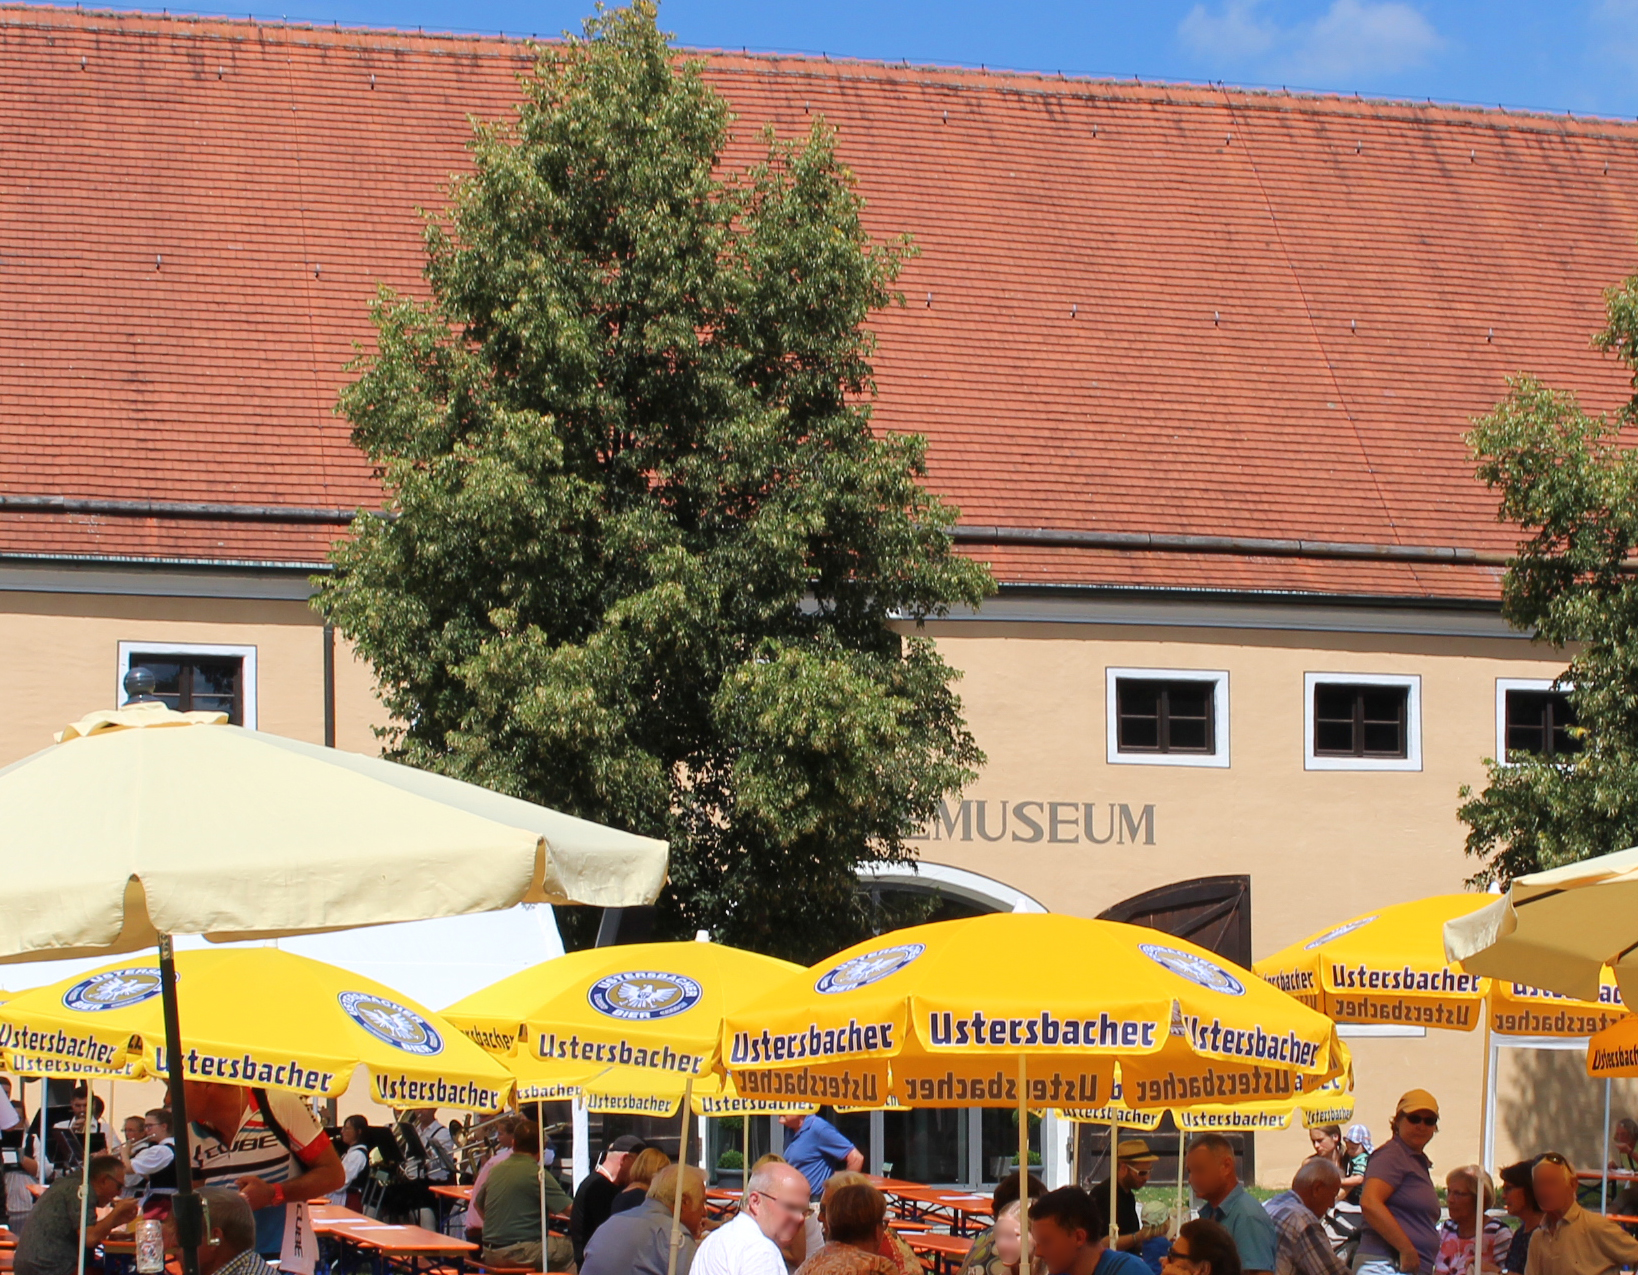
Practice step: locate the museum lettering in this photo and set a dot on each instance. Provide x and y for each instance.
(1049, 822)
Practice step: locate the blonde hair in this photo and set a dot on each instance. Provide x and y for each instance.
(646, 1163)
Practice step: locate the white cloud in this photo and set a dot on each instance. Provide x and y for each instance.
(1615, 32)
(1237, 33)
(1352, 38)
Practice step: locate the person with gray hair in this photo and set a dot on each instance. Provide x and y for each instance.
(1302, 1246)
(1462, 1190)
(639, 1240)
(50, 1242)
(230, 1235)
(776, 1206)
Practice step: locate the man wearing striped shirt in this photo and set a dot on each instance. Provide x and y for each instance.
(266, 1143)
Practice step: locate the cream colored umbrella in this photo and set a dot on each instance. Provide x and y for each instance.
(1557, 930)
(140, 823)
(144, 822)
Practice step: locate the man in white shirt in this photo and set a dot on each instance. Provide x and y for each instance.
(776, 1205)
(439, 1146)
(154, 1164)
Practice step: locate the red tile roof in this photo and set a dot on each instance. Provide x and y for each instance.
(1138, 308)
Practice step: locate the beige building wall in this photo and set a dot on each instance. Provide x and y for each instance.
(61, 656)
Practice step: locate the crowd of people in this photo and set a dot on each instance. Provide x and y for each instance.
(1351, 1208)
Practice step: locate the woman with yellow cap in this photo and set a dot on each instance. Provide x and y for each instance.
(1399, 1201)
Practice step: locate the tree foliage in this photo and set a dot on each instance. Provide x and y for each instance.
(647, 561)
(1571, 483)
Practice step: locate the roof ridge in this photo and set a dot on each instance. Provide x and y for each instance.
(1158, 91)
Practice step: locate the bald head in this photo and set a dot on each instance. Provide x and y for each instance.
(777, 1197)
(1317, 1183)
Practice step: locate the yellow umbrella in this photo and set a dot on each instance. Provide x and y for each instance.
(942, 1008)
(624, 1091)
(632, 1028)
(654, 1007)
(255, 1017)
(1385, 966)
(1517, 1009)
(1025, 1010)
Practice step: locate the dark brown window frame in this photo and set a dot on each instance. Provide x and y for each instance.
(1164, 747)
(1358, 721)
(1550, 699)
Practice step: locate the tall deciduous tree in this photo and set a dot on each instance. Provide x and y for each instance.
(648, 562)
(1566, 478)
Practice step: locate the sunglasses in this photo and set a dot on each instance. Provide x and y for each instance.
(1174, 1254)
(1412, 1117)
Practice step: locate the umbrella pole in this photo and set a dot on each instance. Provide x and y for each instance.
(1023, 1165)
(1604, 1186)
(186, 1207)
(1478, 1181)
(682, 1178)
(1177, 1218)
(1114, 1183)
(540, 1179)
(86, 1196)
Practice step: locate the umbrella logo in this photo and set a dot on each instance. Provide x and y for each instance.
(397, 1025)
(1194, 967)
(1348, 927)
(643, 995)
(870, 967)
(113, 989)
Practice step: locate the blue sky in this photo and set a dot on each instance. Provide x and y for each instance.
(1579, 55)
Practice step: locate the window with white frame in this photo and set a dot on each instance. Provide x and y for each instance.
(1167, 717)
(1534, 715)
(196, 676)
(1362, 721)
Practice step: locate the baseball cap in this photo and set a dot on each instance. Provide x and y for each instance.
(1358, 1133)
(627, 1142)
(1417, 1100)
(1135, 1151)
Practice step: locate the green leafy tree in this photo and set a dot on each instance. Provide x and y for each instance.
(648, 562)
(1567, 479)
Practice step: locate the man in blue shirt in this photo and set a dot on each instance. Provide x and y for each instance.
(816, 1149)
(1069, 1233)
(1213, 1177)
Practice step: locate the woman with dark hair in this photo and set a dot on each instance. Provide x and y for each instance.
(1519, 1198)
(1202, 1247)
(855, 1222)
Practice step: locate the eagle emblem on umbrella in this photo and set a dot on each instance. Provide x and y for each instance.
(1194, 967)
(397, 1025)
(643, 994)
(113, 989)
(867, 967)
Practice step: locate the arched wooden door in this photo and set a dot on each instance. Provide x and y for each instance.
(1214, 913)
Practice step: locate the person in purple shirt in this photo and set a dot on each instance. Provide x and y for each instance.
(816, 1148)
(1399, 1200)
